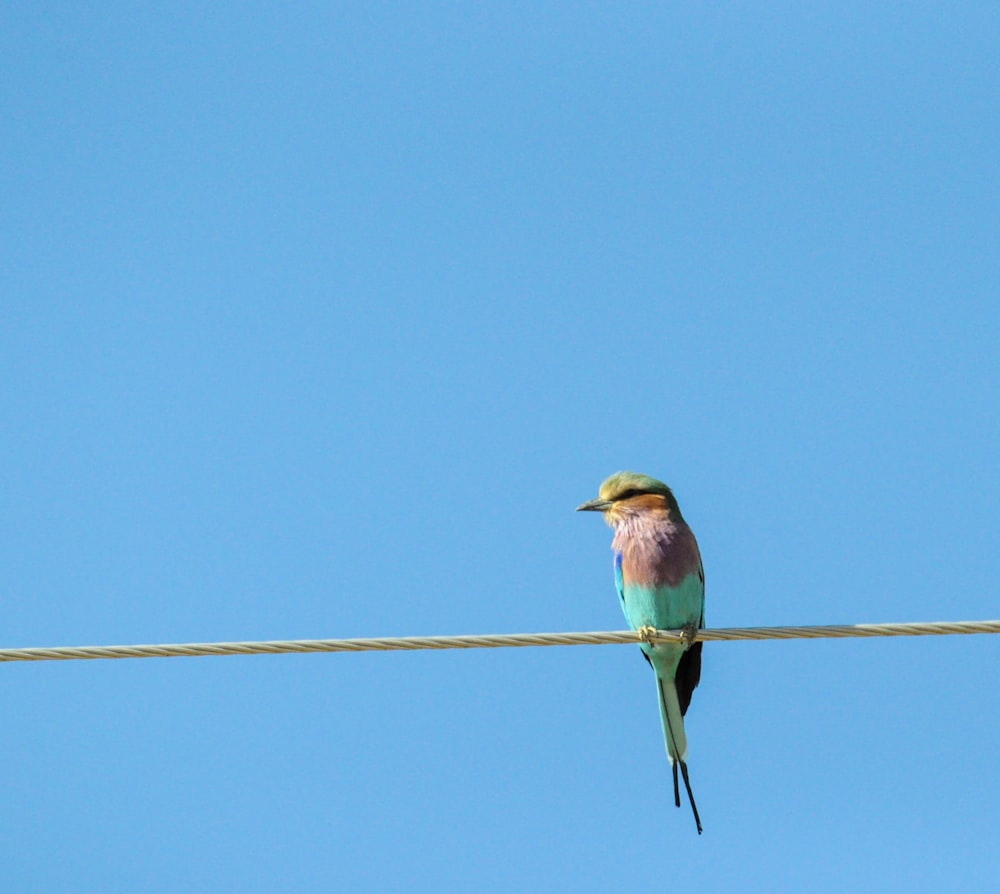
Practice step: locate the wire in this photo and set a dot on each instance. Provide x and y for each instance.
(494, 641)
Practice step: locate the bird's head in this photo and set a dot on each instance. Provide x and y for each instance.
(629, 493)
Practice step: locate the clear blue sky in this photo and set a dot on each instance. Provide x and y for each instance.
(319, 320)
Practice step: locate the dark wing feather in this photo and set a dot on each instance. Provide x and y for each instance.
(688, 675)
(689, 668)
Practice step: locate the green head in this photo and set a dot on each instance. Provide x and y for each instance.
(630, 490)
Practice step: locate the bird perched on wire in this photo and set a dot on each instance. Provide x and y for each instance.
(661, 584)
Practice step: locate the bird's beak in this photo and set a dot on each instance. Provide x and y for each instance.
(597, 505)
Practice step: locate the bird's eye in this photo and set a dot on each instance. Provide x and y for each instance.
(628, 494)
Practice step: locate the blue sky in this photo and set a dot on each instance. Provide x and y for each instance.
(318, 320)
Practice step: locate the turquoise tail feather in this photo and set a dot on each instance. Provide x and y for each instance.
(672, 720)
(675, 740)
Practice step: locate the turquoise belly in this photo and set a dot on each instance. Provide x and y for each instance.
(665, 608)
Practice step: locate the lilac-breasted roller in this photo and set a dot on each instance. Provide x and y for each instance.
(661, 584)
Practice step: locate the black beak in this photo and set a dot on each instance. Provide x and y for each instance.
(597, 505)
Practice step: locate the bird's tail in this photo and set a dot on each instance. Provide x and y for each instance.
(673, 722)
(675, 739)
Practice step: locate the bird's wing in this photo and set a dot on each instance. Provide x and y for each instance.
(689, 669)
(701, 577)
(688, 675)
(620, 583)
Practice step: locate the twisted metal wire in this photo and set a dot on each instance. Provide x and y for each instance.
(492, 641)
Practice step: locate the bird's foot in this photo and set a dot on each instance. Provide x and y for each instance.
(689, 634)
(646, 633)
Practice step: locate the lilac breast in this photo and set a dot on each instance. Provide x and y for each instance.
(657, 555)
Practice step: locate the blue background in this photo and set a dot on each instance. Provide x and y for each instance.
(319, 320)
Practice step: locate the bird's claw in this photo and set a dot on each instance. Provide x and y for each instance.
(646, 633)
(689, 634)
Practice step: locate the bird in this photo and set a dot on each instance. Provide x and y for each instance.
(661, 585)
